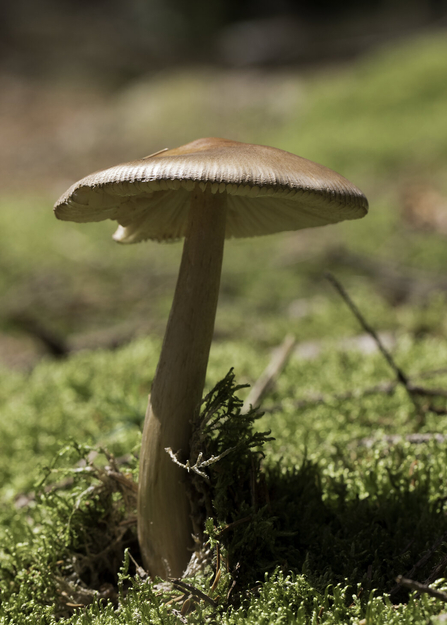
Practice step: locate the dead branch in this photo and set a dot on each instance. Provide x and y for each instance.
(412, 392)
(413, 585)
(179, 584)
(267, 379)
(401, 377)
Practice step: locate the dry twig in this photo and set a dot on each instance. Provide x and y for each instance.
(266, 380)
(179, 584)
(413, 585)
(413, 392)
(401, 377)
(199, 463)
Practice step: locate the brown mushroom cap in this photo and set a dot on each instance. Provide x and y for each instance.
(269, 190)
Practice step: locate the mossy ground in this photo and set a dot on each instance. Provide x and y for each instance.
(317, 530)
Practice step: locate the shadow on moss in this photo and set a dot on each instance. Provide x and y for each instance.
(304, 520)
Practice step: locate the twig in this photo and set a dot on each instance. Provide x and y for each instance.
(267, 378)
(199, 463)
(154, 154)
(401, 377)
(141, 572)
(413, 585)
(183, 586)
(412, 393)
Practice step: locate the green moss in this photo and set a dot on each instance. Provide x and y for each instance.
(309, 536)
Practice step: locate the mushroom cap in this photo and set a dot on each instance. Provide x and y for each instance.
(268, 190)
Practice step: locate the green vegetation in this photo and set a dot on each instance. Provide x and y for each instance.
(310, 523)
(382, 119)
(325, 526)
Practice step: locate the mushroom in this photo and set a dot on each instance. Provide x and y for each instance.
(205, 191)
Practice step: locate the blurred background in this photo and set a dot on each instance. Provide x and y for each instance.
(358, 87)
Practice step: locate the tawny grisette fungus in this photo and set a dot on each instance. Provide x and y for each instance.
(205, 191)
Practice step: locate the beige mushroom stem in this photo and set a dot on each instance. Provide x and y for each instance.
(164, 525)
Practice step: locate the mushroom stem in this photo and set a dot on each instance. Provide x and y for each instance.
(164, 524)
